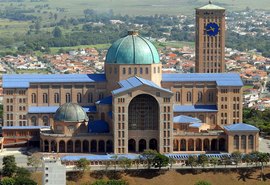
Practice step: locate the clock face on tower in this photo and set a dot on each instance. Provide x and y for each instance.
(212, 29)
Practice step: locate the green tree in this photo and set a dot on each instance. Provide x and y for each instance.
(22, 172)
(7, 181)
(192, 160)
(203, 160)
(83, 164)
(160, 161)
(202, 183)
(148, 156)
(237, 157)
(34, 161)
(57, 33)
(214, 161)
(9, 165)
(247, 159)
(24, 181)
(263, 158)
(125, 162)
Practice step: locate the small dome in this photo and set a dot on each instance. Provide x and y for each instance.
(70, 112)
(132, 49)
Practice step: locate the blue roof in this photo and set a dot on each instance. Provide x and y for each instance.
(98, 126)
(98, 157)
(134, 82)
(195, 108)
(185, 156)
(241, 127)
(221, 79)
(106, 101)
(196, 125)
(52, 109)
(24, 127)
(24, 80)
(185, 119)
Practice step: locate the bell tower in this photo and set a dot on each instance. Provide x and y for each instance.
(210, 39)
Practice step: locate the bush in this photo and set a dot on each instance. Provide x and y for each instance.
(110, 182)
(202, 183)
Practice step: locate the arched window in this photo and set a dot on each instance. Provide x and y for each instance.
(124, 71)
(45, 120)
(90, 97)
(211, 96)
(45, 98)
(243, 142)
(158, 69)
(68, 98)
(101, 96)
(33, 98)
(33, 121)
(200, 96)
(79, 98)
(236, 142)
(129, 70)
(146, 70)
(251, 142)
(141, 70)
(115, 70)
(135, 70)
(177, 97)
(155, 70)
(189, 96)
(56, 98)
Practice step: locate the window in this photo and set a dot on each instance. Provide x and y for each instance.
(236, 142)
(68, 98)
(200, 96)
(56, 98)
(154, 69)
(141, 70)
(177, 97)
(79, 98)
(115, 70)
(189, 96)
(33, 98)
(45, 98)
(45, 120)
(243, 142)
(129, 70)
(135, 70)
(90, 97)
(251, 142)
(146, 70)
(33, 121)
(158, 69)
(101, 96)
(124, 71)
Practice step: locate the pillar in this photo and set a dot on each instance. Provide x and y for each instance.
(179, 146)
(49, 146)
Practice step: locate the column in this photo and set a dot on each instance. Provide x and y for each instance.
(179, 146)
(210, 146)
(57, 147)
(49, 146)
(246, 149)
(186, 145)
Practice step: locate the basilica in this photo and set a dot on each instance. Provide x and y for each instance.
(133, 106)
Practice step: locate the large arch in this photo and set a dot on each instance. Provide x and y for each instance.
(222, 144)
(142, 145)
(109, 146)
(243, 142)
(78, 146)
(236, 142)
(62, 146)
(183, 145)
(46, 146)
(70, 146)
(206, 145)
(190, 145)
(251, 142)
(143, 113)
(53, 146)
(101, 146)
(132, 146)
(153, 144)
(214, 145)
(93, 146)
(85, 146)
(198, 145)
(175, 145)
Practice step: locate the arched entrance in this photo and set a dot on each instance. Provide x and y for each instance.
(214, 145)
(132, 146)
(101, 146)
(175, 145)
(70, 146)
(206, 145)
(190, 145)
(142, 145)
(143, 113)
(53, 146)
(222, 144)
(198, 144)
(93, 146)
(183, 145)
(77, 146)
(46, 146)
(85, 146)
(153, 144)
(62, 146)
(109, 146)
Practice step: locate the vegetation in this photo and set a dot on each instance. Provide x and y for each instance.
(9, 166)
(148, 156)
(202, 183)
(34, 161)
(109, 182)
(260, 119)
(83, 164)
(160, 161)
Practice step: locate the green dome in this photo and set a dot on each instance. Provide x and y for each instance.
(70, 112)
(132, 49)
